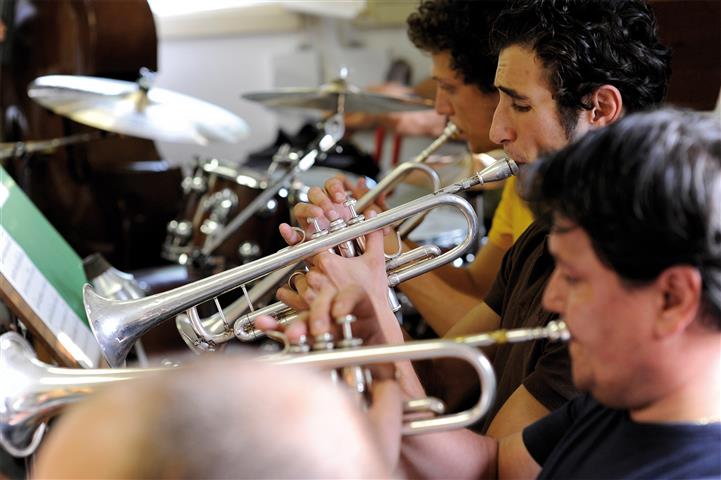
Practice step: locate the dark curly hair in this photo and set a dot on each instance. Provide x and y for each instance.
(588, 43)
(647, 191)
(460, 27)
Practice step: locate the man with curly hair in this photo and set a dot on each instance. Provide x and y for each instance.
(456, 36)
(565, 67)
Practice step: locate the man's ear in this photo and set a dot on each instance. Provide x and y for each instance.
(680, 287)
(606, 106)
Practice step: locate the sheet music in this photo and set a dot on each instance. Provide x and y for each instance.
(45, 301)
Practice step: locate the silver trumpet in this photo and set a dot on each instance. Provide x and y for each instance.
(216, 328)
(206, 334)
(32, 392)
(118, 324)
(229, 323)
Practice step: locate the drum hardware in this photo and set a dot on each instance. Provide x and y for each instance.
(333, 130)
(249, 251)
(39, 391)
(116, 325)
(137, 109)
(20, 149)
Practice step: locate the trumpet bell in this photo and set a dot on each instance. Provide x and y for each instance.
(21, 424)
(114, 335)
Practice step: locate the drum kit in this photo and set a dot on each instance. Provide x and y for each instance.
(230, 213)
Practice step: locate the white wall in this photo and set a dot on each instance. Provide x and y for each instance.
(218, 69)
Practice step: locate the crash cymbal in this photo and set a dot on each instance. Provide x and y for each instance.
(337, 96)
(128, 108)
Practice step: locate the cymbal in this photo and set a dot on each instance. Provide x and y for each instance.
(337, 96)
(128, 108)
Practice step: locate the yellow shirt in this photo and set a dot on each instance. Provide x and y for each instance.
(511, 218)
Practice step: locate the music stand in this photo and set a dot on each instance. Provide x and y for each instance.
(41, 279)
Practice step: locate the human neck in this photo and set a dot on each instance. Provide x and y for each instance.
(695, 399)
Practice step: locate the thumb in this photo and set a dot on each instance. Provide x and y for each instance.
(289, 234)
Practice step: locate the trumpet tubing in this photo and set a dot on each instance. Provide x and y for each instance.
(32, 391)
(400, 172)
(203, 335)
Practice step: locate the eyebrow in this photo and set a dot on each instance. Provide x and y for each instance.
(555, 228)
(511, 92)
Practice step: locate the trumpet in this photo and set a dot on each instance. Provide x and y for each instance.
(202, 335)
(216, 329)
(118, 324)
(38, 391)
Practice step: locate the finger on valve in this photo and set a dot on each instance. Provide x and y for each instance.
(294, 331)
(292, 298)
(320, 198)
(336, 188)
(320, 320)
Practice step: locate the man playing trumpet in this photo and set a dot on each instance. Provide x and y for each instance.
(564, 68)
(634, 219)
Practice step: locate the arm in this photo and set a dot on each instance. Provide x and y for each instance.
(462, 289)
(480, 319)
(520, 410)
(464, 454)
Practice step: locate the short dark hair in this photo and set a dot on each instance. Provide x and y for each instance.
(460, 27)
(647, 191)
(588, 43)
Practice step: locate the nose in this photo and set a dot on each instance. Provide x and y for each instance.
(501, 131)
(443, 106)
(553, 295)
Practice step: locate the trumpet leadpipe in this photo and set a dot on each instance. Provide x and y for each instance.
(555, 331)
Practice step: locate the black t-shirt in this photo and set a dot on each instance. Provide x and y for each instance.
(541, 366)
(584, 439)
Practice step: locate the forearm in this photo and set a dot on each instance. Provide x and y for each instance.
(454, 454)
(439, 303)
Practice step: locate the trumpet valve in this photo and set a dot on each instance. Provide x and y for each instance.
(318, 232)
(324, 341)
(301, 346)
(348, 341)
(354, 216)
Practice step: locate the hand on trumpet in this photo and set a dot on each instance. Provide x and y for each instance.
(331, 274)
(328, 204)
